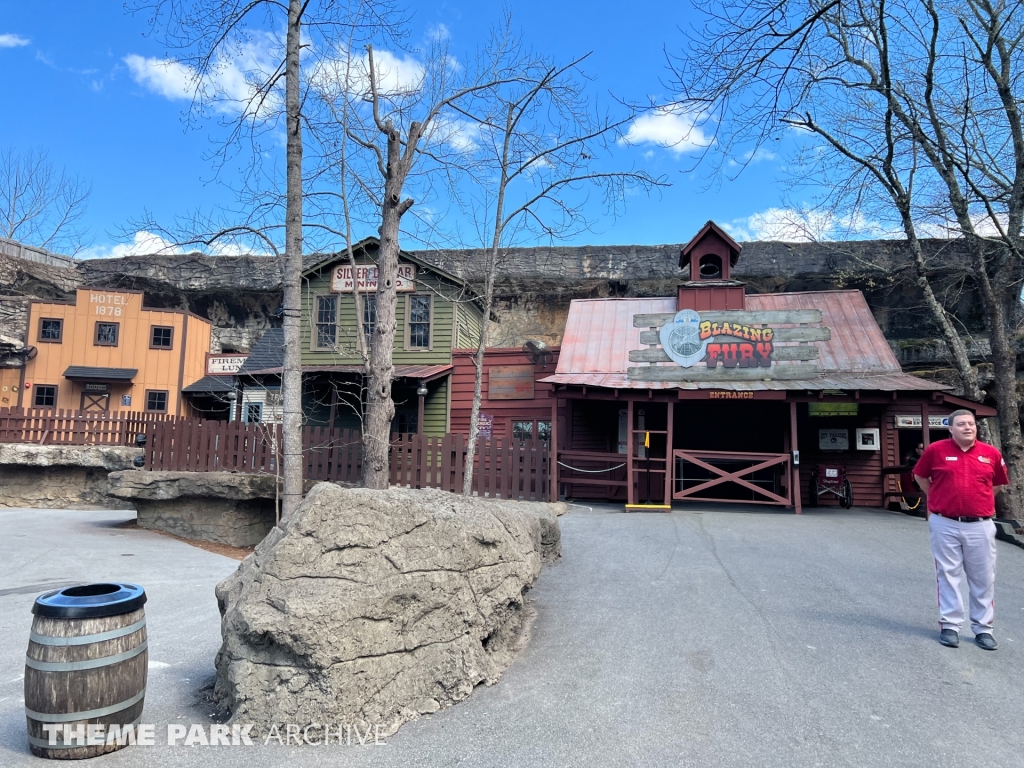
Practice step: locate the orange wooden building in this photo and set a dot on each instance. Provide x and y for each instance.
(106, 352)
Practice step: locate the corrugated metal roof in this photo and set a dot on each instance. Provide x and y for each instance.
(100, 374)
(857, 344)
(599, 335)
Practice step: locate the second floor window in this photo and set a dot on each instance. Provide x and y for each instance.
(51, 329)
(106, 334)
(326, 322)
(161, 337)
(369, 314)
(419, 322)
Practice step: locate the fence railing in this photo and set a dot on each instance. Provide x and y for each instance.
(509, 469)
(502, 468)
(48, 426)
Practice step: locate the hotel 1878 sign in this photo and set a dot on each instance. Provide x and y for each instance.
(728, 345)
(366, 278)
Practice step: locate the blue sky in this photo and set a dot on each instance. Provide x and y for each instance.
(72, 91)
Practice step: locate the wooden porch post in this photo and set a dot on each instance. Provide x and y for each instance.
(669, 463)
(334, 404)
(553, 451)
(420, 411)
(926, 436)
(795, 490)
(630, 492)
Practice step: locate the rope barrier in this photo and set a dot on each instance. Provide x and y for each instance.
(592, 471)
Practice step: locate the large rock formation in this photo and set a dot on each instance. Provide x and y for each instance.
(230, 508)
(61, 476)
(370, 608)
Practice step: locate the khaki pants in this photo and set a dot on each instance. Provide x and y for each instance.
(964, 549)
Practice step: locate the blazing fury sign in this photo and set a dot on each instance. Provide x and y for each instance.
(688, 340)
(727, 344)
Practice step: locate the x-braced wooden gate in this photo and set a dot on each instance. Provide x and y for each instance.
(731, 473)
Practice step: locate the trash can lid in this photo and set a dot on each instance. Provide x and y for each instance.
(90, 601)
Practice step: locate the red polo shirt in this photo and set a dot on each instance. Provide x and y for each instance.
(962, 481)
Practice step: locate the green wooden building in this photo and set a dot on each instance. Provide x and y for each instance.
(436, 313)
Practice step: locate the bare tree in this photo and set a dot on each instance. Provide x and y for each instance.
(40, 204)
(912, 107)
(408, 129)
(213, 37)
(542, 144)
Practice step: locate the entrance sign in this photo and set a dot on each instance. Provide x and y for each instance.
(834, 439)
(366, 278)
(914, 422)
(727, 345)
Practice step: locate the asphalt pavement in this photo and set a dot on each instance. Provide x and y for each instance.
(704, 637)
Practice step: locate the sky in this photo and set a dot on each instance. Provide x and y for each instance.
(79, 89)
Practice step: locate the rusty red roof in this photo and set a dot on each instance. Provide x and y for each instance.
(599, 335)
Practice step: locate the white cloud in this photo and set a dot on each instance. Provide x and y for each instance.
(143, 244)
(753, 156)
(668, 128)
(232, 84)
(9, 40)
(165, 77)
(461, 135)
(396, 76)
(790, 225)
(438, 32)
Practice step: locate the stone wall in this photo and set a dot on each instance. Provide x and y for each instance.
(223, 507)
(61, 477)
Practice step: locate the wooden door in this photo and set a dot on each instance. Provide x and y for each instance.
(95, 401)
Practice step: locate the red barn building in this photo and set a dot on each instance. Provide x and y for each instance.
(720, 395)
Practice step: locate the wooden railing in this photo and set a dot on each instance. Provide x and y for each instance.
(48, 426)
(509, 469)
(502, 468)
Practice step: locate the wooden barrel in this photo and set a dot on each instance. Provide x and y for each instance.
(86, 666)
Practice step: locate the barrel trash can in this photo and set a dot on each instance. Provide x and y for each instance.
(86, 665)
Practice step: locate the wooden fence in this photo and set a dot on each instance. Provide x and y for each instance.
(47, 426)
(509, 469)
(502, 468)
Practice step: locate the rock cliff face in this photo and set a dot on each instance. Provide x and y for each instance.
(371, 608)
(241, 294)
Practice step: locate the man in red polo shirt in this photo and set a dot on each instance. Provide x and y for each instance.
(961, 476)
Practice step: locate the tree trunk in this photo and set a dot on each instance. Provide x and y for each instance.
(1004, 363)
(478, 377)
(380, 408)
(291, 377)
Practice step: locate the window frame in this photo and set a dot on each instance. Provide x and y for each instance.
(366, 299)
(35, 392)
(534, 427)
(314, 340)
(60, 335)
(167, 400)
(153, 329)
(408, 322)
(96, 334)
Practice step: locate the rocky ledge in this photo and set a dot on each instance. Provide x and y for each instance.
(371, 608)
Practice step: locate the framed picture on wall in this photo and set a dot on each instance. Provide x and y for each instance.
(867, 440)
